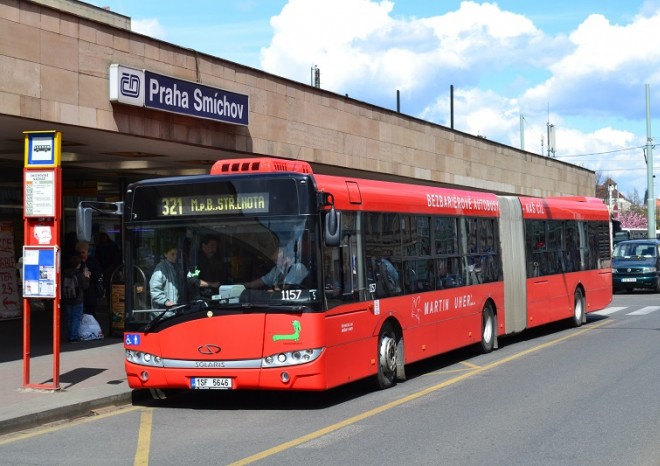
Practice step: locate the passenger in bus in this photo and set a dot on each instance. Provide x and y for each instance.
(441, 274)
(387, 278)
(167, 284)
(288, 271)
(211, 271)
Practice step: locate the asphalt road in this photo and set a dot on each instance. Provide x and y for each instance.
(556, 395)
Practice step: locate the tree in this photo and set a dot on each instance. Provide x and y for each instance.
(633, 215)
(633, 219)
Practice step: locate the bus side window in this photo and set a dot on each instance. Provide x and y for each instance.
(388, 278)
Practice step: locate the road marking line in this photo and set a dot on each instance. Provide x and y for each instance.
(609, 310)
(413, 396)
(643, 311)
(470, 365)
(144, 438)
(448, 371)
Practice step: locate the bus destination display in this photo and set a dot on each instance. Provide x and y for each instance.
(175, 206)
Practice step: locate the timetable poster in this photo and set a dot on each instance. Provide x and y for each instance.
(39, 272)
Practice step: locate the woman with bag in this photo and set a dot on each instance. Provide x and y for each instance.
(74, 283)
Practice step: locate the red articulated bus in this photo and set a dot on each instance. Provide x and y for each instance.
(283, 279)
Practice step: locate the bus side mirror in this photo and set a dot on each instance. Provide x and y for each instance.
(332, 228)
(84, 223)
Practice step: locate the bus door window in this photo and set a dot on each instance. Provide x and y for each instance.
(583, 245)
(383, 253)
(342, 266)
(489, 255)
(332, 276)
(469, 244)
(535, 247)
(416, 238)
(448, 271)
(351, 279)
(571, 251)
(555, 247)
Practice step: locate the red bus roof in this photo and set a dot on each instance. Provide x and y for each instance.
(564, 208)
(384, 196)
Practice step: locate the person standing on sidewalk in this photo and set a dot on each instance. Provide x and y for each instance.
(92, 270)
(74, 283)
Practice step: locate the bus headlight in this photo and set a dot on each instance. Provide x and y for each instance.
(144, 359)
(291, 358)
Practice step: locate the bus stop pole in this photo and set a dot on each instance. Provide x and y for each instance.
(42, 223)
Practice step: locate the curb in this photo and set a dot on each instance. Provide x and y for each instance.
(61, 413)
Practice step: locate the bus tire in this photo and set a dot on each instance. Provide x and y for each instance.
(487, 328)
(387, 357)
(578, 308)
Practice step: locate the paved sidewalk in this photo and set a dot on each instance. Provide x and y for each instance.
(91, 376)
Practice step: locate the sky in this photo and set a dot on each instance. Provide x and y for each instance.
(516, 66)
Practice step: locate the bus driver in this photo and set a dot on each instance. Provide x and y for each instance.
(286, 271)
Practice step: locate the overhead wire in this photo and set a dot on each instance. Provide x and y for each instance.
(602, 153)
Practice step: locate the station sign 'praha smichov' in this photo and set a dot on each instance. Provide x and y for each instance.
(252, 203)
(144, 88)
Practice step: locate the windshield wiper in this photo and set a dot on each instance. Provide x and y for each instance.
(257, 306)
(174, 311)
(289, 308)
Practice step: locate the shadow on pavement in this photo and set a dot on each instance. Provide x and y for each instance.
(41, 335)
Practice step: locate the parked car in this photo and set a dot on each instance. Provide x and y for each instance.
(635, 264)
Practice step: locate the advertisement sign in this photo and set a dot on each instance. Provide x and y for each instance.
(143, 88)
(9, 304)
(39, 272)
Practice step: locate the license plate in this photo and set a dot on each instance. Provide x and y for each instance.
(629, 280)
(204, 383)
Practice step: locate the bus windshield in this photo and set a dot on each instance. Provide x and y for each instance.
(249, 264)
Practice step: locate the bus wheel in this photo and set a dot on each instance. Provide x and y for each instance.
(387, 357)
(578, 308)
(487, 329)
